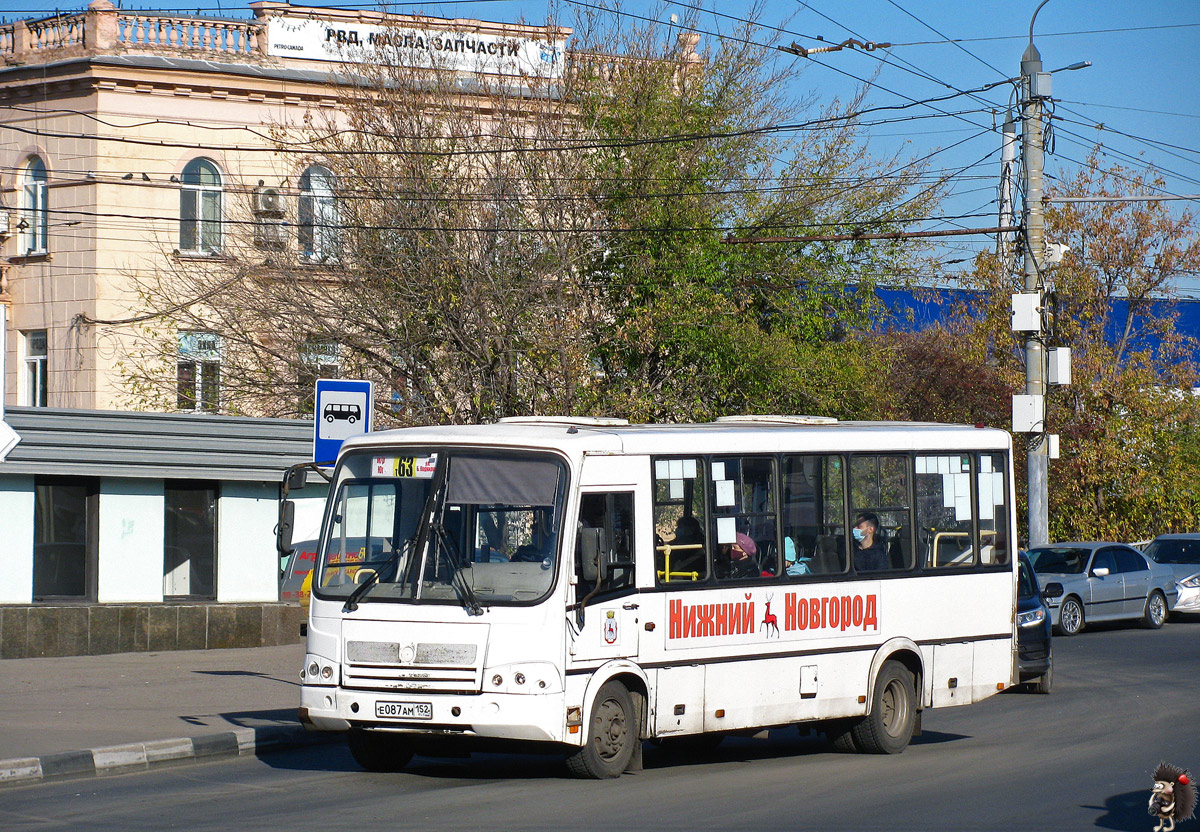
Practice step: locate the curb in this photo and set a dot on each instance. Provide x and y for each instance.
(122, 759)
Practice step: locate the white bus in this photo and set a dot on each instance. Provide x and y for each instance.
(586, 584)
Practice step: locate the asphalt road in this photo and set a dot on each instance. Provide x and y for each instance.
(1077, 759)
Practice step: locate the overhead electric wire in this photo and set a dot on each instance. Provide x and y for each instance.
(1166, 147)
(1082, 141)
(1062, 101)
(580, 144)
(1054, 34)
(1113, 174)
(933, 29)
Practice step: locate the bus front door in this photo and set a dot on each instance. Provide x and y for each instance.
(606, 613)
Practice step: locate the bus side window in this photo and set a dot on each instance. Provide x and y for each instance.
(813, 516)
(742, 495)
(879, 487)
(991, 492)
(680, 543)
(945, 513)
(604, 548)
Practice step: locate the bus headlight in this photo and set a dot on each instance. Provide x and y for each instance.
(526, 677)
(319, 671)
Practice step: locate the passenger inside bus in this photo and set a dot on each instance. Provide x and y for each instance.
(870, 549)
(739, 559)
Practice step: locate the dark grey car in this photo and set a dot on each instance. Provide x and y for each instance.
(1100, 581)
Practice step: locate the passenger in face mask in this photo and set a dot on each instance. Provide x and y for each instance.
(870, 550)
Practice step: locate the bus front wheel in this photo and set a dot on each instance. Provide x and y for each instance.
(612, 734)
(888, 728)
(379, 751)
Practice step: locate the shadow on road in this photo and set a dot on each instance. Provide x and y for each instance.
(1125, 812)
(333, 755)
(937, 738)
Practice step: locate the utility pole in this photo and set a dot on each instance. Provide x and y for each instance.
(1035, 88)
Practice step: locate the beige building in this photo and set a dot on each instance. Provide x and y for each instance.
(133, 140)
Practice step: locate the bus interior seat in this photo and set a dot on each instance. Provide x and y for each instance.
(827, 559)
(900, 548)
(767, 559)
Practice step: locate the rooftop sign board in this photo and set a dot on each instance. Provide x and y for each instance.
(352, 42)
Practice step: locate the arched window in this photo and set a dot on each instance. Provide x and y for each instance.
(35, 216)
(318, 226)
(200, 208)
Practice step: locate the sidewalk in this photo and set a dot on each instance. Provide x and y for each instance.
(82, 715)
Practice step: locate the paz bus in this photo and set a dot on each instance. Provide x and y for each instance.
(585, 584)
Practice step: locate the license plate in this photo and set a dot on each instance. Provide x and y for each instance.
(404, 710)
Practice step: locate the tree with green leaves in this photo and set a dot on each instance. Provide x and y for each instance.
(557, 243)
(1130, 421)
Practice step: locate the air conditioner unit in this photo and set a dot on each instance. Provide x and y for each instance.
(270, 233)
(268, 202)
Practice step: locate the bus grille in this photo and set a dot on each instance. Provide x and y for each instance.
(440, 668)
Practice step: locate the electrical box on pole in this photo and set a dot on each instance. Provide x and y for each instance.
(1039, 85)
(1027, 414)
(1058, 366)
(1027, 312)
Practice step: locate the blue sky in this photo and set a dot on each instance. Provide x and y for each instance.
(1142, 81)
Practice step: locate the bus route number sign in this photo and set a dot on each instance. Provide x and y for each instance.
(421, 468)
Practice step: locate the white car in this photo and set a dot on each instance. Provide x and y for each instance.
(1180, 552)
(1098, 581)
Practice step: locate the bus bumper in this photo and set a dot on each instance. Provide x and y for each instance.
(535, 717)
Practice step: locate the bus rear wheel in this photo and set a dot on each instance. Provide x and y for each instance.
(378, 750)
(611, 736)
(889, 727)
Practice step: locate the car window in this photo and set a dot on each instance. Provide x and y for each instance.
(1130, 561)
(1027, 586)
(1104, 560)
(1058, 559)
(1168, 550)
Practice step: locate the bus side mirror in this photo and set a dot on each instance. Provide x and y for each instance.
(1054, 590)
(297, 478)
(283, 536)
(591, 544)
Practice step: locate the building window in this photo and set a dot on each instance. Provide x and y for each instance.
(36, 356)
(190, 540)
(200, 208)
(64, 538)
(318, 216)
(198, 372)
(318, 359)
(35, 220)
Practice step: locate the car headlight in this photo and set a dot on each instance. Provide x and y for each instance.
(1192, 582)
(1025, 619)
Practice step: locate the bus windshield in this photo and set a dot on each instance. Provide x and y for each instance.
(443, 526)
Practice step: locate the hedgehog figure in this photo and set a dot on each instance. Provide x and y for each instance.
(1173, 797)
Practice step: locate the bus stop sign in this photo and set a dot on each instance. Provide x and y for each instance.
(342, 410)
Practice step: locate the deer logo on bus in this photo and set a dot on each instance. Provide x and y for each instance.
(610, 628)
(769, 620)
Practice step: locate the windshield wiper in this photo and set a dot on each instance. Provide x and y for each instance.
(359, 591)
(469, 599)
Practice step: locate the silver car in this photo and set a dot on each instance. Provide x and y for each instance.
(1180, 553)
(1098, 581)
